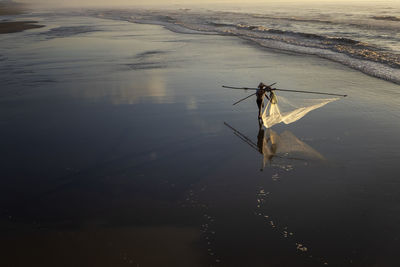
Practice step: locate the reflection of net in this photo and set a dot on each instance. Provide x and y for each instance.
(287, 145)
(288, 112)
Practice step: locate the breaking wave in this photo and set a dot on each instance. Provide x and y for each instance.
(390, 18)
(374, 51)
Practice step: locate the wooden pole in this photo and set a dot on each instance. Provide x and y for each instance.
(307, 92)
(243, 99)
(284, 90)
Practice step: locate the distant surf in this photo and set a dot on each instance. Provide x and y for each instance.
(369, 44)
(391, 18)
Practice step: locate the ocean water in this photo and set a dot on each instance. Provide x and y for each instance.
(363, 36)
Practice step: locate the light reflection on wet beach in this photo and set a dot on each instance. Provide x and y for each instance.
(150, 87)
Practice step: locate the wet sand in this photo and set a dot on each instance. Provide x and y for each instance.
(18, 26)
(7, 9)
(115, 153)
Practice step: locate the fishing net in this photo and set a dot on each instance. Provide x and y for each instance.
(282, 110)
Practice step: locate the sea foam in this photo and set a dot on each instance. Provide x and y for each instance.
(368, 46)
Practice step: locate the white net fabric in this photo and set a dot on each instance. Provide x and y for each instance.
(290, 111)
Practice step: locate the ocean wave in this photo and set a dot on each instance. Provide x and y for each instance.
(322, 21)
(364, 23)
(389, 18)
(367, 58)
(313, 36)
(174, 27)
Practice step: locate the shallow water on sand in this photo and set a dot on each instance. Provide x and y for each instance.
(115, 153)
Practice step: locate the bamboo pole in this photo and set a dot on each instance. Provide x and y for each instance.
(284, 90)
(243, 99)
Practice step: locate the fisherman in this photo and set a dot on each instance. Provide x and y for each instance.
(260, 93)
(272, 97)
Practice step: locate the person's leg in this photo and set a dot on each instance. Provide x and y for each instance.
(259, 102)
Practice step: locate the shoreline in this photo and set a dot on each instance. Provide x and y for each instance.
(371, 68)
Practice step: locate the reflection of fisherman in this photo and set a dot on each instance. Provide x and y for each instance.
(260, 139)
(267, 146)
(260, 93)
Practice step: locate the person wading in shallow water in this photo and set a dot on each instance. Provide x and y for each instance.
(260, 93)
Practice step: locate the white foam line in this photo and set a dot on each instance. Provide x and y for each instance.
(375, 69)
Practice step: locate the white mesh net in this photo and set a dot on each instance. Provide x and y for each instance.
(287, 111)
